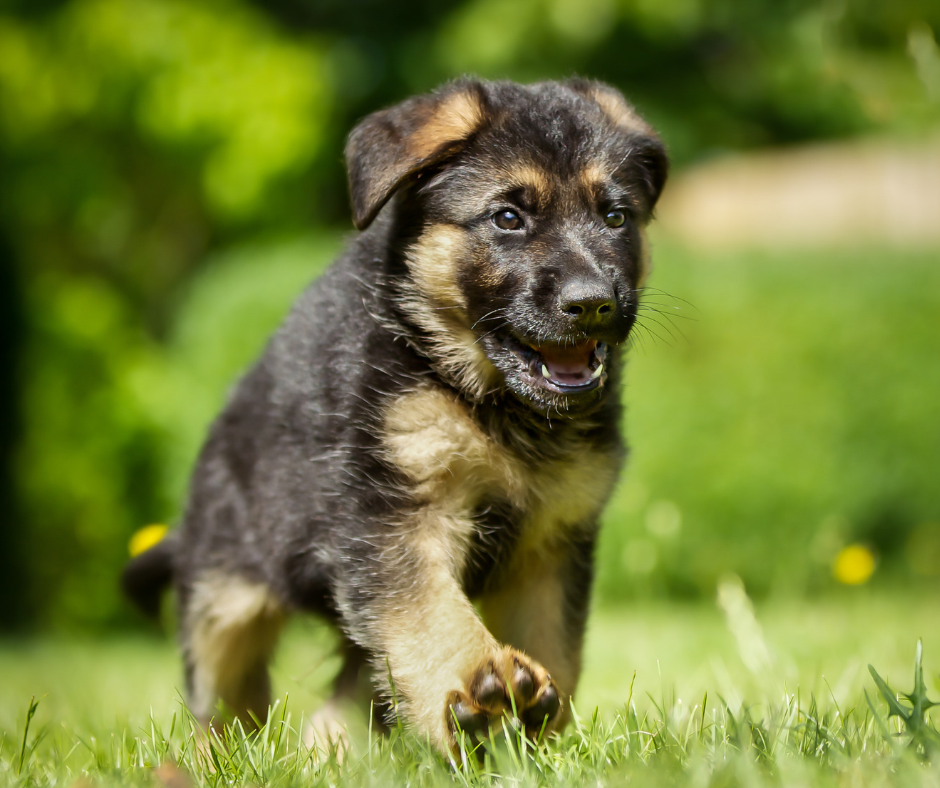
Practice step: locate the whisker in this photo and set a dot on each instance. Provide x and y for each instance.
(654, 333)
(496, 311)
(643, 291)
(491, 331)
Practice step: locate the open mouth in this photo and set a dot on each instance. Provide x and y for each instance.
(564, 368)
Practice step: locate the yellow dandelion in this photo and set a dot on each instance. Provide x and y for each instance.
(853, 565)
(146, 538)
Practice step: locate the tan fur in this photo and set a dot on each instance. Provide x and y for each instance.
(326, 730)
(566, 494)
(527, 611)
(621, 113)
(433, 265)
(457, 117)
(233, 627)
(434, 635)
(434, 301)
(433, 438)
(531, 178)
(593, 177)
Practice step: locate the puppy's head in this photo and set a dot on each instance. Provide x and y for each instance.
(521, 209)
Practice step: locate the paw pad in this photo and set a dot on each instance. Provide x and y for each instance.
(511, 685)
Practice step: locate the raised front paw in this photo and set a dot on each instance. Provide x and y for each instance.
(509, 684)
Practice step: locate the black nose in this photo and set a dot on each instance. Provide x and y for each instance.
(588, 302)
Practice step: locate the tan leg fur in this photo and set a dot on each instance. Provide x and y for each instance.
(231, 627)
(527, 612)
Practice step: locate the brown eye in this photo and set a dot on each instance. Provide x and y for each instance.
(615, 218)
(508, 220)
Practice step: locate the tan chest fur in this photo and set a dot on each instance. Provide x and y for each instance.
(453, 465)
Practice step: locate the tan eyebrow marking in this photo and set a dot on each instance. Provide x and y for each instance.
(529, 177)
(593, 178)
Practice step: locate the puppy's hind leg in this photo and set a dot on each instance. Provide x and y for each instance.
(328, 727)
(229, 628)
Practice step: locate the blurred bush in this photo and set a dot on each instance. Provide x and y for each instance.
(140, 140)
(788, 411)
(113, 419)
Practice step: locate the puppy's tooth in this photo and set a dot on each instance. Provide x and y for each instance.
(545, 372)
(597, 372)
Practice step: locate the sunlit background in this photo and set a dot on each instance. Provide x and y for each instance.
(171, 178)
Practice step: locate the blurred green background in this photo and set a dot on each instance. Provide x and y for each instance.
(172, 177)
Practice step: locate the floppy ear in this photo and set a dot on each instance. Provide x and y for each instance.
(391, 145)
(647, 152)
(649, 156)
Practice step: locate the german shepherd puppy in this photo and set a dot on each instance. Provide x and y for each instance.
(436, 423)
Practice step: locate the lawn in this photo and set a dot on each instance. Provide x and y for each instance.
(785, 705)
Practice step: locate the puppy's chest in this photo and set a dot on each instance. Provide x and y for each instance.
(454, 468)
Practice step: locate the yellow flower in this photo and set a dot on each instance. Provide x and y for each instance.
(853, 565)
(146, 538)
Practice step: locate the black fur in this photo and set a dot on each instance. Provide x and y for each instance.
(147, 575)
(293, 488)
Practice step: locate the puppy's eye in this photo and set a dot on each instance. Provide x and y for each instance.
(508, 220)
(615, 218)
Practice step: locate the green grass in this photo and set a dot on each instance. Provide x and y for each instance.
(784, 697)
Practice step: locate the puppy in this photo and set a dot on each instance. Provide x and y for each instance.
(436, 423)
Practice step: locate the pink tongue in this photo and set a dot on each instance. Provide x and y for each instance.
(568, 363)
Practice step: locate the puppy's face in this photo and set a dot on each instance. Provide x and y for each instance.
(529, 243)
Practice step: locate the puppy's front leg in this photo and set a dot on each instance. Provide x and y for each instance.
(541, 604)
(446, 666)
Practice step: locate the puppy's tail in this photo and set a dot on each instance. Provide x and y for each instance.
(146, 576)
